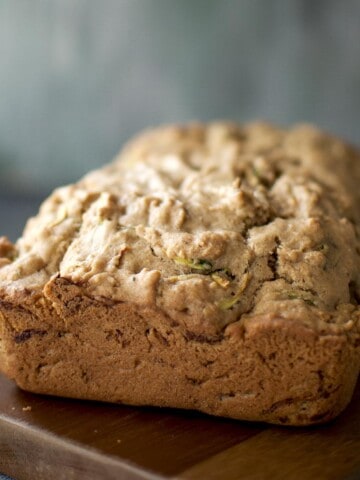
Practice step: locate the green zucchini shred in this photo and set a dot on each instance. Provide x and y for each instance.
(228, 302)
(220, 280)
(196, 264)
(299, 296)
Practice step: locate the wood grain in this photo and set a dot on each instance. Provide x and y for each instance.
(43, 437)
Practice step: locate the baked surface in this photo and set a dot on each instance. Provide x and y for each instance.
(212, 267)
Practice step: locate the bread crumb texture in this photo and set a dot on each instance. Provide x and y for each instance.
(229, 234)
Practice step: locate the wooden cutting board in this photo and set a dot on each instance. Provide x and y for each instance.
(46, 438)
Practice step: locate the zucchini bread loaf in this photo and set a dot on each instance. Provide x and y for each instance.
(210, 267)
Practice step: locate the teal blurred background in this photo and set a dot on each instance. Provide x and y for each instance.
(78, 77)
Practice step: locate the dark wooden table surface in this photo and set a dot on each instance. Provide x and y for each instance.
(51, 438)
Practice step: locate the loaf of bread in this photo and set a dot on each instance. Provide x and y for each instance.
(210, 267)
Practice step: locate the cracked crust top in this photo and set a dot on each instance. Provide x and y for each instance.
(208, 224)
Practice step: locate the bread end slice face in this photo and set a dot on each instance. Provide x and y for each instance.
(264, 368)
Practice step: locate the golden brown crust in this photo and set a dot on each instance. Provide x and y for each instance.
(209, 267)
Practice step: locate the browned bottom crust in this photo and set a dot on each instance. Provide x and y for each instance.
(265, 368)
